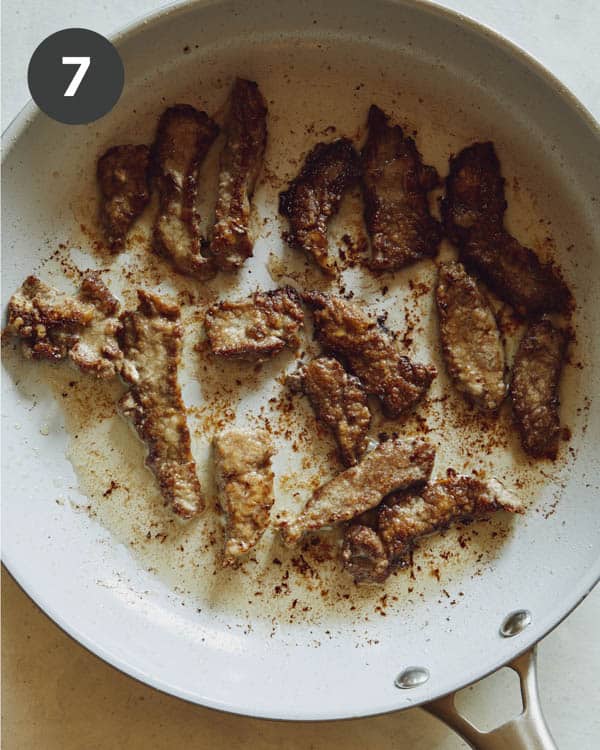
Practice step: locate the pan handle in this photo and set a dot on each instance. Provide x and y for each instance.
(528, 731)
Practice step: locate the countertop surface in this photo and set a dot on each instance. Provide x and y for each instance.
(56, 695)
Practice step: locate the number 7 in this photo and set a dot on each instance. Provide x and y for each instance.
(84, 64)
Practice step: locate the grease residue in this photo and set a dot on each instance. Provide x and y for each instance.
(307, 584)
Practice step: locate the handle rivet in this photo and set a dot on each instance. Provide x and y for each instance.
(515, 623)
(411, 677)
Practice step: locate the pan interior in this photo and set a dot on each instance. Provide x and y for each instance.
(84, 530)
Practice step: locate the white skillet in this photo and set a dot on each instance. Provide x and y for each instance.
(309, 58)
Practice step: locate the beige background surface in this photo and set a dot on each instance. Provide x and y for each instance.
(57, 696)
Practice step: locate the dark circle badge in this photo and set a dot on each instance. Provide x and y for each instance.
(75, 76)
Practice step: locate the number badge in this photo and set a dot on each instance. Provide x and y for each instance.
(76, 76)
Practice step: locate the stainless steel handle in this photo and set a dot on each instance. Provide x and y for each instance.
(528, 731)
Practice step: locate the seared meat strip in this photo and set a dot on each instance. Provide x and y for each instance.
(438, 505)
(53, 325)
(258, 326)
(339, 401)
(395, 185)
(96, 350)
(364, 555)
(473, 213)
(370, 351)
(370, 553)
(393, 465)
(123, 176)
(534, 388)
(471, 341)
(150, 338)
(47, 321)
(241, 161)
(183, 139)
(474, 202)
(245, 482)
(315, 196)
(96, 291)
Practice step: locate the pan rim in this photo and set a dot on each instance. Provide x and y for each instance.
(11, 137)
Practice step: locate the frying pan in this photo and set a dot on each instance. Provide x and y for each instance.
(320, 66)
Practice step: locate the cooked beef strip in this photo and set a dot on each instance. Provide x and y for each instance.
(340, 402)
(474, 200)
(393, 465)
(53, 325)
(123, 176)
(439, 504)
(315, 195)
(473, 212)
(241, 161)
(150, 338)
(183, 139)
(370, 552)
(534, 388)
(256, 327)
(95, 291)
(370, 352)
(395, 184)
(96, 350)
(364, 555)
(471, 341)
(245, 483)
(47, 321)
